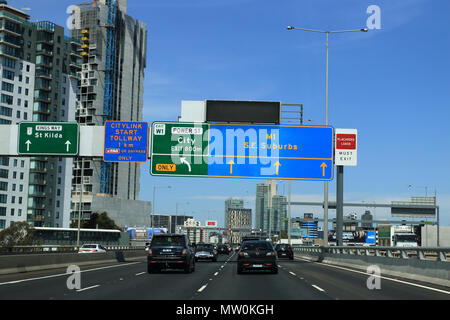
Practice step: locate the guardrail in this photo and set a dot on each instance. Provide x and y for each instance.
(421, 253)
(55, 249)
(419, 263)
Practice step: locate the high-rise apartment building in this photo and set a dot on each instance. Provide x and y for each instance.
(39, 77)
(232, 203)
(270, 208)
(111, 88)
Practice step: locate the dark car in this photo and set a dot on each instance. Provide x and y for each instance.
(284, 251)
(205, 251)
(170, 251)
(223, 249)
(257, 255)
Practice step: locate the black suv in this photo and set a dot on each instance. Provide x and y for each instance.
(223, 249)
(284, 251)
(170, 251)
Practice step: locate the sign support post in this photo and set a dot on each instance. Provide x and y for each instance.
(339, 204)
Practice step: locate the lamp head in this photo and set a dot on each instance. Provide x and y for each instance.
(289, 27)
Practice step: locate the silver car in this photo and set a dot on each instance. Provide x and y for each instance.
(205, 252)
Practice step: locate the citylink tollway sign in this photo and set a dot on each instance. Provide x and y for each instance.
(126, 141)
(48, 138)
(242, 151)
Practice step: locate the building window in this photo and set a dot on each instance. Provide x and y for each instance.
(3, 198)
(6, 86)
(8, 74)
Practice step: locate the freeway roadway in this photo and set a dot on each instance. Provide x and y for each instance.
(297, 280)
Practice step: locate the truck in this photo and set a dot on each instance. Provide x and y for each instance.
(404, 236)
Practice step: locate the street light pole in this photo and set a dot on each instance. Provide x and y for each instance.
(325, 200)
(153, 204)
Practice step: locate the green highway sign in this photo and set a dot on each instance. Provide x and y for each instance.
(178, 149)
(48, 138)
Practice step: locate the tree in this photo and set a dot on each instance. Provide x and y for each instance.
(19, 234)
(98, 220)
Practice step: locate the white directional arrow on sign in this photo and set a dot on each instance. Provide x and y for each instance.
(28, 145)
(67, 145)
(183, 160)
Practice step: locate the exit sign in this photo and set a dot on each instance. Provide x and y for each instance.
(48, 138)
(346, 147)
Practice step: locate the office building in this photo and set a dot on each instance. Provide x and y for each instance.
(310, 225)
(39, 77)
(169, 221)
(367, 220)
(111, 88)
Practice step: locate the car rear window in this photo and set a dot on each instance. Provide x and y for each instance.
(285, 246)
(205, 247)
(256, 245)
(173, 241)
(89, 246)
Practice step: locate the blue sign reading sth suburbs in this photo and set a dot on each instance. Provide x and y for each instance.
(271, 152)
(126, 141)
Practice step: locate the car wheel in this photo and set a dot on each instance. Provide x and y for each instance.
(187, 268)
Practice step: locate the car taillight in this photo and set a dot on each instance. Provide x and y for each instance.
(272, 253)
(184, 253)
(150, 253)
(243, 254)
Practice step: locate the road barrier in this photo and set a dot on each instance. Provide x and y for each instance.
(26, 259)
(430, 265)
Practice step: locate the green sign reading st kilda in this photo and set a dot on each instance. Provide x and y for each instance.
(48, 138)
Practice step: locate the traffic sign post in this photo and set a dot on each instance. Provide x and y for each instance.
(48, 138)
(126, 141)
(242, 151)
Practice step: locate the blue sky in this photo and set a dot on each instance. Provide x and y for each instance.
(390, 84)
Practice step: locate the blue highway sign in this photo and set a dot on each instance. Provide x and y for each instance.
(242, 151)
(126, 141)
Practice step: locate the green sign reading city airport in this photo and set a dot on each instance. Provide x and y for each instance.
(48, 138)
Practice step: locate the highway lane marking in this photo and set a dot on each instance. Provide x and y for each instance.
(216, 273)
(382, 277)
(318, 288)
(292, 273)
(65, 274)
(138, 274)
(202, 288)
(91, 287)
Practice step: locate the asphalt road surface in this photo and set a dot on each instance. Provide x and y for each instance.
(297, 280)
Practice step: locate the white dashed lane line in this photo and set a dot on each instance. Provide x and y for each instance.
(92, 287)
(318, 288)
(202, 288)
